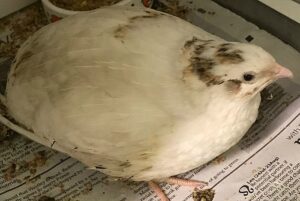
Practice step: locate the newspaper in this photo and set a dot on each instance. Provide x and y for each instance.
(264, 166)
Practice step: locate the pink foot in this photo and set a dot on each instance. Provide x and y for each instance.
(173, 180)
(186, 182)
(156, 188)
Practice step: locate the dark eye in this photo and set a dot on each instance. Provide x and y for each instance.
(248, 77)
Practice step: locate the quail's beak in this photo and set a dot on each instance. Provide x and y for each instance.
(282, 72)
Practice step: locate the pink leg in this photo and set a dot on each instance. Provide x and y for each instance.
(155, 187)
(173, 180)
(186, 182)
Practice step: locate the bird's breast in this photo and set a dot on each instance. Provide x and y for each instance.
(208, 135)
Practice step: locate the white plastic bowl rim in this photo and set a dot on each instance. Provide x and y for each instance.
(56, 9)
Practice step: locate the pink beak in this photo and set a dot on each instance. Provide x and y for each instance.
(283, 72)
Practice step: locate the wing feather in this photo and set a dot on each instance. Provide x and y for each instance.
(112, 96)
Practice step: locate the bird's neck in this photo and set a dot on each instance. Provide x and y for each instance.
(230, 104)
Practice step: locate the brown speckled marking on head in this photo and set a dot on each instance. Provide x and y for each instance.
(199, 49)
(216, 81)
(207, 77)
(226, 45)
(189, 43)
(234, 85)
(233, 57)
(202, 67)
(23, 57)
(226, 54)
(222, 49)
(211, 79)
(194, 40)
(202, 64)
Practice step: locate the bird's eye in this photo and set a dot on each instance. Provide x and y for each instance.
(248, 77)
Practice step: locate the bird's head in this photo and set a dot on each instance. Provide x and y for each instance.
(239, 69)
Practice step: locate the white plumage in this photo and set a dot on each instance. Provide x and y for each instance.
(120, 90)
